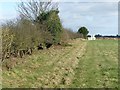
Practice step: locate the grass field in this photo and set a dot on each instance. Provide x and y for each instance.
(84, 64)
(99, 66)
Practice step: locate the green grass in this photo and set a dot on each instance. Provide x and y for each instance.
(99, 66)
(85, 64)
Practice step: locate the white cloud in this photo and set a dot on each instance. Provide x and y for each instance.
(97, 17)
(64, 0)
(28, 0)
(89, 0)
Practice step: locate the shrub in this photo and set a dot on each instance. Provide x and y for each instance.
(7, 40)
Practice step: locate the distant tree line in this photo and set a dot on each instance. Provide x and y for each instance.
(107, 36)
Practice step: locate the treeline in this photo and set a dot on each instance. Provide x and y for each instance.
(107, 36)
(38, 27)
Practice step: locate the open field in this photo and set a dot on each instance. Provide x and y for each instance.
(98, 67)
(85, 64)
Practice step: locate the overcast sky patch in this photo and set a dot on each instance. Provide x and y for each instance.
(97, 17)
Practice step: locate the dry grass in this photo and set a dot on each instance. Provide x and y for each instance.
(48, 68)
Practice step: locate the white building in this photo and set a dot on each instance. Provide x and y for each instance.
(92, 37)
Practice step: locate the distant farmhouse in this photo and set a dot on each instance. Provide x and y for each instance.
(91, 37)
(94, 37)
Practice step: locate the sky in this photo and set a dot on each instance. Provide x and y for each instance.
(100, 17)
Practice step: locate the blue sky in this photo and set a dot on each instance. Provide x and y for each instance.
(8, 10)
(98, 17)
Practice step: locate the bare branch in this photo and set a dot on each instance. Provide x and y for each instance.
(33, 8)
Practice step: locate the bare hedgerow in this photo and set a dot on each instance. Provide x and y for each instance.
(69, 34)
(7, 39)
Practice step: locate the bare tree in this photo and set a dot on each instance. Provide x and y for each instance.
(33, 8)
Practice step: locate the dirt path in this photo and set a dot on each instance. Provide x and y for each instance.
(63, 71)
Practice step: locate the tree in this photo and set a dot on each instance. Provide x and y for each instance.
(45, 16)
(84, 31)
(54, 25)
(35, 8)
